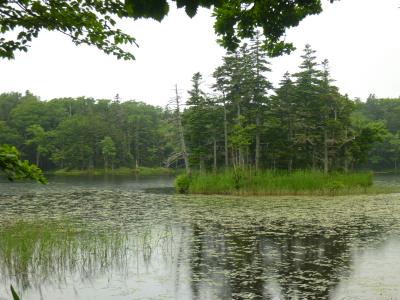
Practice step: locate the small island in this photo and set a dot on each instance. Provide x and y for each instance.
(279, 183)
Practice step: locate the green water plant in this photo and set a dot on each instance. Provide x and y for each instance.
(182, 183)
(14, 293)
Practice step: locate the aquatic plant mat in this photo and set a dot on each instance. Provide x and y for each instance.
(93, 243)
(280, 183)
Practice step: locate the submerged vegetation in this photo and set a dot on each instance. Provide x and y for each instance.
(247, 182)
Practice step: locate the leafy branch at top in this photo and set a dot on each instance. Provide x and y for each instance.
(93, 22)
(14, 168)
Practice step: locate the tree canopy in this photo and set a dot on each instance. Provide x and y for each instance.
(95, 22)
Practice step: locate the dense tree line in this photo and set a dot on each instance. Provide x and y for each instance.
(384, 155)
(84, 133)
(304, 123)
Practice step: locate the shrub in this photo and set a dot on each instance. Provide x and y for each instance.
(182, 184)
(334, 186)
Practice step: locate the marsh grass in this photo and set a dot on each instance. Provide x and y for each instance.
(35, 252)
(245, 182)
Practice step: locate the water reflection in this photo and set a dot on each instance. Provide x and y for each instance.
(106, 244)
(301, 263)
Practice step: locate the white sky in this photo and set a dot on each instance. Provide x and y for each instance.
(359, 37)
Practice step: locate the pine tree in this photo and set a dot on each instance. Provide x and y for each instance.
(308, 107)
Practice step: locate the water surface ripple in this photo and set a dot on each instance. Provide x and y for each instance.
(127, 239)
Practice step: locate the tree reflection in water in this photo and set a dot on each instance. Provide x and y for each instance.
(246, 263)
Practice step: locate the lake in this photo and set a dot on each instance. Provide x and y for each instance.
(132, 238)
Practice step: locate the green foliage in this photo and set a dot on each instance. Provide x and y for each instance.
(14, 168)
(182, 183)
(108, 150)
(306, 124)
(380, 118)
(241, 133)
(68, 133)
(334, 186)
(94, 22)
(87, 22)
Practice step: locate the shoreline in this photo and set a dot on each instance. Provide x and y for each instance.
(141, 171)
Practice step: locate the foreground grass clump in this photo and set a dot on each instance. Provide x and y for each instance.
(244, 182)
(143, 171)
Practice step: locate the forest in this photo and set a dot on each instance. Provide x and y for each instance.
(303, 123)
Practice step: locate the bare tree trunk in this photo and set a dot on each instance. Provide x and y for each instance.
(215, 154)
(180, 131)
(234, 158)
(290, 139)
(326, 158)
(137, 147)
(37, 157)
(257, 156)
(314, 159)
(226, 137)
(346, 161)
(201, 163)
(241, 160)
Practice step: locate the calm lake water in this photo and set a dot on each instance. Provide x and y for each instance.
(126, 238)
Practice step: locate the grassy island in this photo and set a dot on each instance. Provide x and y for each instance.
(246, 182)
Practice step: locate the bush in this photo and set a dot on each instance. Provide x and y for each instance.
(182, 184)
(334, 186)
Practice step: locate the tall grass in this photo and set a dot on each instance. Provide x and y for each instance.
(35, 252)
(245, 182)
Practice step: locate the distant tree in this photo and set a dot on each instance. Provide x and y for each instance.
(395, 149)
(39, 139)
(195, 122)
(260, 87)
(108, 150)
(94, 23)
(365, 134)
(9, 135)
(284, 108)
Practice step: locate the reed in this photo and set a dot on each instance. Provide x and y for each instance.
(247, 182)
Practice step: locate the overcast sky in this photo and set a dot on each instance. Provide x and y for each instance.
(359, 37)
